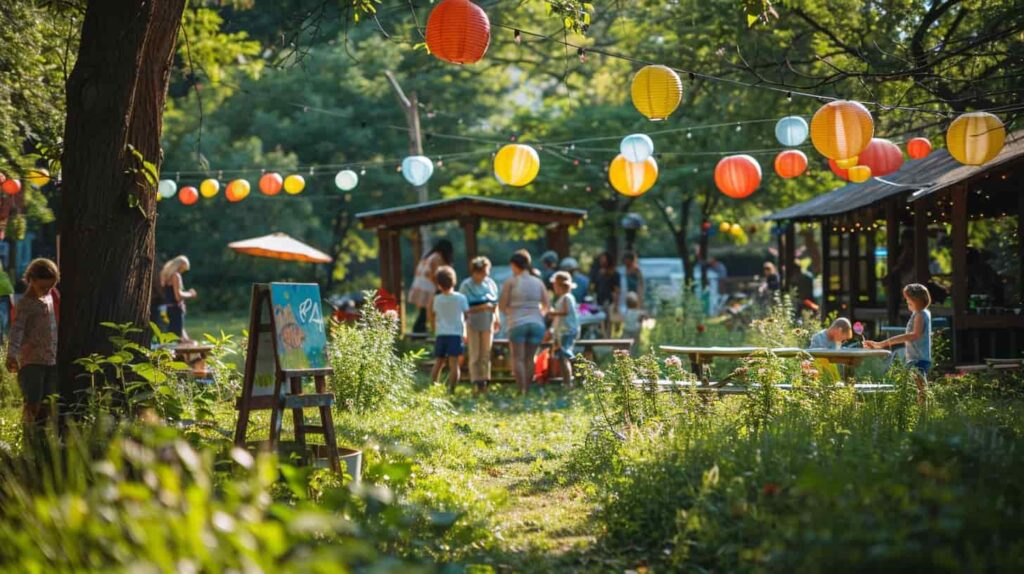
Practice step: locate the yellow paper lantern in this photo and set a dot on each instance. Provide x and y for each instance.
(841, 129)
(294, 184)
(209, 188)
(632, 179)
(724, 227)
(846, 163)
(516, 165)
(37, 177)
(656, 91)
(975, 138)
(859, 173)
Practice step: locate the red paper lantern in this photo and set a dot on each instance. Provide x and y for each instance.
(790, 163)
(458, 31)
(270, 183)
(11, 187)
(188, 195)
(919, 148)
(882, 156)
(706, 225)
(737, 175)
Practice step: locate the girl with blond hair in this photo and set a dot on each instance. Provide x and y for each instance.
(175, 294)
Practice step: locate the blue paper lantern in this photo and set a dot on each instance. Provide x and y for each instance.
(637, 147)
(791, 131)
(417, 169)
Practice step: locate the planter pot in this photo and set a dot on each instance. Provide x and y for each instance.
(351, 461)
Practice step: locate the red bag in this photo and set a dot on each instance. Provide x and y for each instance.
(541, 367)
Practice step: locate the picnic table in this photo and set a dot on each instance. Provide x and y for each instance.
(195, 355)
(702, 357)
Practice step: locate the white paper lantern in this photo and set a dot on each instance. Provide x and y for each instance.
(346, 180)
(417, 169)
(791, 131)
(167, 188)
(637, 147)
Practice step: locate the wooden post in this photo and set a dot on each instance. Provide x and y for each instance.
(869, 265)
(1020, 247)
(383, 255)
(557, 237)
(411, 109)
(921, 274)
(853, 271)
(958, 222)
(469, 228)
(826, 266)
(792, 273)
(893, 247)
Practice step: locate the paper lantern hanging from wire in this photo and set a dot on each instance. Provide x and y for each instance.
(859, 173)
(841, 129)
(881, 155)
(975, 138)
(791, 131)
(294, 184)
(919, 148)
(458, 31)
(209, 188)
(656, 92)
(737, 175)
(846, 163)
(346, 180)
(417, 169)
(11, 186)
(166, 188)
(37, 177)
(637, 147)
(237, 190)
(790, 163)
(632, 178)
(271, 183)
(188, 195)
(516, 165)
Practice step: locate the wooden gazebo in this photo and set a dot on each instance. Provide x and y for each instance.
(468, 211)
(923, 196)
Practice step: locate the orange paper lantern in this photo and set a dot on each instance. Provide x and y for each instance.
(11, 186)
(632, 178)
(881, 155)
(841, 129)
(188, 195)
(790, 163)
(458, 31)
(270, 183)
(919, 148)
(737, 175)
(237, 190)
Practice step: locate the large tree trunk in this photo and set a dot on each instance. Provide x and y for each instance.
(115, 101)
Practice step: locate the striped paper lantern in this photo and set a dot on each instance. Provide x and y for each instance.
(841, 129)
(458, 31)
(632, 178)
(516, 165)
(656, 92)
(790, 163)
(737, 175)
(975, 138)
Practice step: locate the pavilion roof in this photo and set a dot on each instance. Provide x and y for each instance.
(469, 206)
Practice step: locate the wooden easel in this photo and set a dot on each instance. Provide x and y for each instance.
(280, 400)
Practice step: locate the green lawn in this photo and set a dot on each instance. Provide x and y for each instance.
(198, 323)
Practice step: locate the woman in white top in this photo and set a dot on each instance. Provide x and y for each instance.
(422, 290)
(524, 301)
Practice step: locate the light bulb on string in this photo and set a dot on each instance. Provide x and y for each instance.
(517, 37)
(689, 135)
(582, 55)
(739, 127)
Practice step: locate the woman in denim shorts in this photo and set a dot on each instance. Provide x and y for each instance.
(524, 301)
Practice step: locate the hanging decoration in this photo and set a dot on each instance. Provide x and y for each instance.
(975, 138)
(656, 91)
(881, 155)
(37, 177)
(791, 131)
(346, 180)
(294, 184)
(237, 190)
(458, 31)
(166, 188)
(516, 165)
(845, 163)
(209, 188)
(790, 163)
(188, 195)
(637, 147)
(737, 175)
(417, 169)
(724, 227)
(271, 183)
(841, 129)
(860, 173)
(11, 186)
(632, 178)
(919, 148)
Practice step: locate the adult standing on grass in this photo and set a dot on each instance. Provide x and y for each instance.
(524, 301)
(33, 349)
(174, 294)
(423, 288)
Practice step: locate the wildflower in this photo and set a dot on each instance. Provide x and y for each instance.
(701, 328)
(599, 375)
(674, 362)
(391, 314)
(771, 489)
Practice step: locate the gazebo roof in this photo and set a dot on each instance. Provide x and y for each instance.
(469, 206)
(917, 177)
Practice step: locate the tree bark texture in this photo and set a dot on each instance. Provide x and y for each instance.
(115, 102)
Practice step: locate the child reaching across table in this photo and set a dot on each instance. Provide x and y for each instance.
(33, 349)
(566, 325)
(448, 315)
(918, 338)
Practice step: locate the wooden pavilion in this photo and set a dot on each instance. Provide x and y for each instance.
(468, 211)
(926, 207)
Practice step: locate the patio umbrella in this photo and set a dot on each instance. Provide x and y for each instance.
(280, 246)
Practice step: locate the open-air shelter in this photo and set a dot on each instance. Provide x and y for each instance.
(468, 211)
(928, 206)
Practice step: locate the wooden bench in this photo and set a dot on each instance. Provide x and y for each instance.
(701, 358)
(674, 386)
(195, 355)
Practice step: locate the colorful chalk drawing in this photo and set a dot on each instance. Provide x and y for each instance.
(299, 322)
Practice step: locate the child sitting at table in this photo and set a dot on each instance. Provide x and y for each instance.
(918, 338)
(832, 338)
(448, 315)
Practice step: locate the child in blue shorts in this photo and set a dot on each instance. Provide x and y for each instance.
(448, 316)
(918, 337)
(566, 325)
